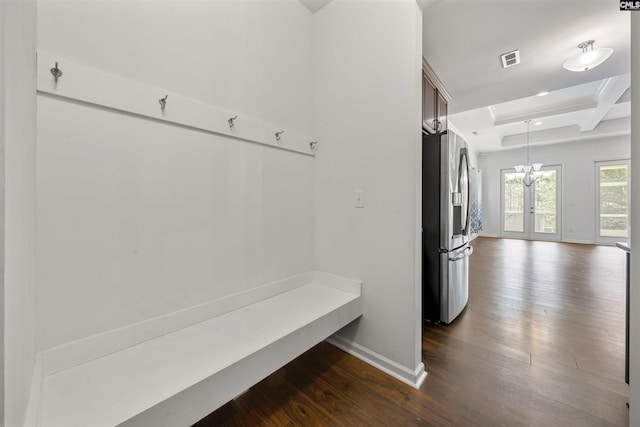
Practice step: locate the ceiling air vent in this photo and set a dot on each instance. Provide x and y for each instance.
(510, 59)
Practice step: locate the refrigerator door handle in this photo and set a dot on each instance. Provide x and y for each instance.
(467, 252)
(464, 162)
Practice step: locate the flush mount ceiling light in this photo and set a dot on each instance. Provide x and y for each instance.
(589, 58)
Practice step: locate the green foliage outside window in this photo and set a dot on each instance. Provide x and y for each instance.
(546, 199)
(614, 200)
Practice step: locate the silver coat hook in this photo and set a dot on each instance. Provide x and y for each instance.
(163, 102)
(278, 135)
(56, 72)
(313, 145)
(232, 120)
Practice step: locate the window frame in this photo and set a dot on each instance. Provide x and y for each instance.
(610, 239)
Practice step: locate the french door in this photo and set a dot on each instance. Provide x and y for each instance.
(531, 212)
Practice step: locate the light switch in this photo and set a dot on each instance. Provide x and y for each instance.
(358, 198)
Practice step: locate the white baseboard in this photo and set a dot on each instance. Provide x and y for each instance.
(582, 242)
(487, 235)
(414, 378)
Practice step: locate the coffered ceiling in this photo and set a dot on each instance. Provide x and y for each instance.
(463, 41)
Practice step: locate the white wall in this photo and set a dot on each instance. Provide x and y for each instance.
(18, 142)
(578, 162)
(367, 63)
(249, 56)
(137, 218)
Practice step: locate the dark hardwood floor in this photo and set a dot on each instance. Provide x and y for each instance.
(541, 343)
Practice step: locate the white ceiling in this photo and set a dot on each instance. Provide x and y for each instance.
(463, 41)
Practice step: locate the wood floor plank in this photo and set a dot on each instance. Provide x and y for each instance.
(425, 412)
(541, 343)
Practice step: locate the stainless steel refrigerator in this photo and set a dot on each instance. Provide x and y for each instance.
(445, 226)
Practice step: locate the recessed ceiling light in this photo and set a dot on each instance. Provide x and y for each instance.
(537, 123)
(543, 93)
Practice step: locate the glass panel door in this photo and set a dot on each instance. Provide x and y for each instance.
(545, 204)
(612, 184)
(513, 204)
(531, 212)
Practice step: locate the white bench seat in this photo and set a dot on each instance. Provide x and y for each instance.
(180, 377)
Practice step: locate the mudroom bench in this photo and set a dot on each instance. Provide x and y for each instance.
(174, 370)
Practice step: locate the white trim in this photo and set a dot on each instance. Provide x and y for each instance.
(417, 278)
(491, 235)
(562, 203)
(596, 185)
(417, 245)
(414, 377)
(582, 242)
(87, 85)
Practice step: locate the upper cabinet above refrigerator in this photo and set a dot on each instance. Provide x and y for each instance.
(434, 101)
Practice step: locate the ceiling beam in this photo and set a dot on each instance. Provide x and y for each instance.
(608, 95)
(626, 97)
(605, 129)
(552, 110)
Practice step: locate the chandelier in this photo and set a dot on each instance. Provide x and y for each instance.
(529, 169)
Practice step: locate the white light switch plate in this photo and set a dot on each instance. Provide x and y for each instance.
(358, 198)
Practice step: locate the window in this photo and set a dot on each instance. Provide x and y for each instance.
(612, 201)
